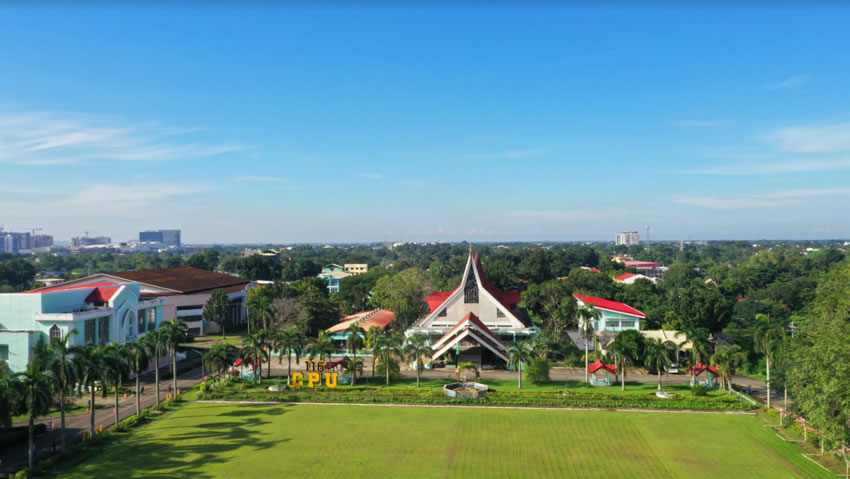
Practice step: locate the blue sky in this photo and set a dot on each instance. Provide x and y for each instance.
(292, 124)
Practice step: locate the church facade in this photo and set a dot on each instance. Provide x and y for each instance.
(475, 322)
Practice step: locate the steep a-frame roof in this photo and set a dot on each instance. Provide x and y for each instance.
(470, 327)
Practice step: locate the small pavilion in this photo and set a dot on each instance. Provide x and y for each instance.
(704, 375)
(601, 373)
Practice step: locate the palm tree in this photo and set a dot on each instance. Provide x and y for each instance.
(372, 339)
(416, 347)
(262, 310)
(322, 346)
(174, 333)
(254, 352)
(354, 366)
(728, 359)
(518, 355)
(116, 369)
(90, 362)
(587, 318)
(767, 336)
(699, 346)
(219, 357)
(355, 338)
(138, 360)
(34, 391)
(289, 342)
(389, 346)
(153, 344)
(61, 365)
(624, 348)
(657, 355)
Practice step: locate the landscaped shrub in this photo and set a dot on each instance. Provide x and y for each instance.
(699, 390)
(381, 370)
(537, 371)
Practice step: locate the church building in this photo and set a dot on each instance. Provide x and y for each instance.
(475, 322)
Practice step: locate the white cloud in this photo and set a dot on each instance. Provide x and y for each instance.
(260, 179)
(51, 138)
(769, 200)
(790, 82)
(811, 139)
(696, 123)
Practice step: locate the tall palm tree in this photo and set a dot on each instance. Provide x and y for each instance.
(90, 362)
(254, 352)
(34, 391)
(138, 359)
(322, 346)
(262, 309)
(219, 358)
(389, 346)
(153, 344)
(768, 335)
(587, 318)
(698, 338)
(174, 333)
(354, 341)
(289, 342)
(657, 355)
(728, 359)
(61, 365)
(625, 349)
(353, 366)
(372, 339)
(116, 369)
(416, 348)
(518, 355)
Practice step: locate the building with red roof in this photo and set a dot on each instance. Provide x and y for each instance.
(614, 316)
(630, 278)
(474, 321)
(601, 373)
(704, 375)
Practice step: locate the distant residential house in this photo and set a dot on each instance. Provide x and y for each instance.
(614, 316)
(704, 375)
(601, 374)
(333, 274)
(651, 269)
(630, 278)
(355, 268)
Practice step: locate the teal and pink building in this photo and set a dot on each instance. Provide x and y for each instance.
(102, 313)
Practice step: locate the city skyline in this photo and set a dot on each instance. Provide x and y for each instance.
(333, 125)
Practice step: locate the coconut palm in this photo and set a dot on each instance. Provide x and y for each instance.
(416, 348)
(116, 369)
(322, 346)
(91, 363)
(353, 366)
(61, 365)
(354, 341)
(262, 310)
(219, 358)
(387, 347)
(699, 348)
(518, 355)
(587, 318)
(625, 348)
(289, 342)
(657, 355)
(174, 333)
(34, 390)
(727, 360)
(768, 335)
(372, 340)
(154, 344)
(254, 352)
(138, 359)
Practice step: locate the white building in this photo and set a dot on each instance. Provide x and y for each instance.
(627, 238)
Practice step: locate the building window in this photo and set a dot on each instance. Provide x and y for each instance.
(141, 324)
(627, 324)
(103, 330)
(470, 290)
(151, 315)
(4, 352)
(55, 333)
(443, 312)
(129, 322)
(89, 331)
(499, 313)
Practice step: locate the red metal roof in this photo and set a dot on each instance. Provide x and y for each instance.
(59, 287)
(609, 305)
(701, 368)
(598, 364)
(102, 294)
(186, 280)
(437, 298)
(624, 276)
(642, 264)
(365, 320)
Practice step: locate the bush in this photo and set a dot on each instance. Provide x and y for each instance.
(537, 371)
(699, 390)
(381, 370)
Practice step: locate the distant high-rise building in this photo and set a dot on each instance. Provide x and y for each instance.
(627, 238)
(170, 237)
(81, 241)
(13, 242)
(41, 241)
(150, 237)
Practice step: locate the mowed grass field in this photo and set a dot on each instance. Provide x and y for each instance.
(206, 440)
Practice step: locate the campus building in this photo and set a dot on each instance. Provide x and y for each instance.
(333, 274)
(101, 312)
(475, 321)
(627, 238)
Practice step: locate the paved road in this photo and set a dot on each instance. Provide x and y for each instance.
(15, 458)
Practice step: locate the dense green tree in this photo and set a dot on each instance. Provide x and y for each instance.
(553, 303)
(536, 267)
(217, 309)
(259, 267)
(698, 306)
(17, 274)
(404, 294)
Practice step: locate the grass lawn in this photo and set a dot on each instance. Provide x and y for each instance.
(204, 440)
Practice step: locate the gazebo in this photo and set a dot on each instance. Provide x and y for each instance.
(601, 373)
(704, 375)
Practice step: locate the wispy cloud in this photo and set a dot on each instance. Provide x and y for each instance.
(811, 138)
(371, 176)
(51, 138)
(769, 200)
(696, 123)
(260, 179)
(790, 82)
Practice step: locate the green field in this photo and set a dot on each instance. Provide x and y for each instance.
(204, 440)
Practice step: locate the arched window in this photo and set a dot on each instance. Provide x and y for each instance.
(55, 332)
(470, 290)
(129, 322)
